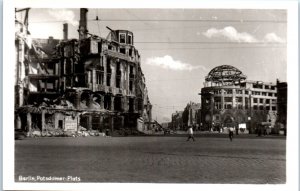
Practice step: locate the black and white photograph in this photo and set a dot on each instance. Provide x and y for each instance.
(159, 95)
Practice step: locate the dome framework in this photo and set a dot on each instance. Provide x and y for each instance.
(225, 75)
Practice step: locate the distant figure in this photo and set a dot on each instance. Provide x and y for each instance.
(231, 133)
(190, 134)
(106, 132)
(237, 130)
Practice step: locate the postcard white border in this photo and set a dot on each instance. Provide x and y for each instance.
(8, 91)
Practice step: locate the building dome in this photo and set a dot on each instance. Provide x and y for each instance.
(225, 75)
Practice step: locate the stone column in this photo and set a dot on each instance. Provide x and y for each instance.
(222, 99)
(243, 99)
(90, 101)
(112, 103)
(94, 79)
(102, 101)
(251, 102)
(233, 98)
(104, 61)
(89, 125)
(43, 120)
(46, 85)
(78, 122)
(77, 100)
(134, 104)
(125, 104)
(211, 110)
(122, 121)
(101, 125)
(29, 123)
(18, 123)
(111, 124)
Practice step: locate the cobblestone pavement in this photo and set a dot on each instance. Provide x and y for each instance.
(154, 159)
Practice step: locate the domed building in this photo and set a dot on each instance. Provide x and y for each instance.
(229, 99)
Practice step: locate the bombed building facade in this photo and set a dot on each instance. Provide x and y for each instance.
(229, 99)
(91, 82)
(190, 116)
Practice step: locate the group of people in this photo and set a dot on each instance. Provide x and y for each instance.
(191, 133)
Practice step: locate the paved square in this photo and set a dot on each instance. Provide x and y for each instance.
(249, 160)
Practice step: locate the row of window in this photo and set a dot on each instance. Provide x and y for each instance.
(217, 105)
(268, 101)
(260, 86)
(100, 75)
(240, 100)
(124, 40)
(229, 91)
(261, 107)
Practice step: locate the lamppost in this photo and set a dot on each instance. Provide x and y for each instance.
(250, 117)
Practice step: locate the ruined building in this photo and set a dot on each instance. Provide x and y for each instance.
(229, 99)
(91, 82)
(190, 116)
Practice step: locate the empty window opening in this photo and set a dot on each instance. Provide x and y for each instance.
(130, 69)
(130, 85)
(118, 81)
(96, 123)
(255, 100)
(99, 47)
(118, 103)
(108, 79)
(227, 106)
(131, 105)
(97, 98)
(84, 121)
(84, 100)
(60, 124)
(228, 99)
(239, 92)
(107, 102)
(122, 38)
(239, 99)
(140, 104)
(99, 77)
(129, 39)
(123, 50)
(108, 71)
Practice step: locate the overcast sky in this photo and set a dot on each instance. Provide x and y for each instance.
(179, 47)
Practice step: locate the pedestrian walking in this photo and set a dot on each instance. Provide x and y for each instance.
(190, 134)
(236, 130)
(231, 133)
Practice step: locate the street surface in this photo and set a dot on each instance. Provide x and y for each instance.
(245, 160)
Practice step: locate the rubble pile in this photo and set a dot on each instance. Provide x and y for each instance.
(52, 132)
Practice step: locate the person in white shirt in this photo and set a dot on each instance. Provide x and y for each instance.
(231, 129)
(190, 134)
